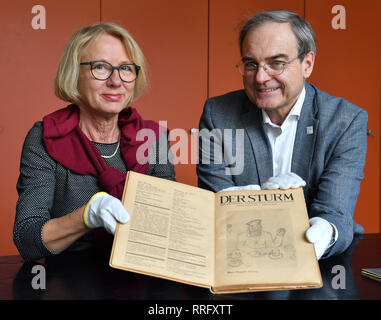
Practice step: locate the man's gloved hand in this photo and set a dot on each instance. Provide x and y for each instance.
(105, 211)
(248, 187)
(320, 234)
(284, 181)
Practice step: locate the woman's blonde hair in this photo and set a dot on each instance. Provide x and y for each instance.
(66, 82)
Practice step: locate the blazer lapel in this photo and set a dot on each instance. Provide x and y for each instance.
(304, 144)
(252, 122)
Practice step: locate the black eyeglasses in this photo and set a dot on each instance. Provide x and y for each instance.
(102, 70)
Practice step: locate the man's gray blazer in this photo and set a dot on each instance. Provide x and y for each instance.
(329, 153)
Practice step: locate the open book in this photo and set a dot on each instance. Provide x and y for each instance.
(234, 241)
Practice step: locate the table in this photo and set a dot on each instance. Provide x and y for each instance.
(87, 276)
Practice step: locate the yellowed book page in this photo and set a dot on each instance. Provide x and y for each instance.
(260, 240)
(170, 233)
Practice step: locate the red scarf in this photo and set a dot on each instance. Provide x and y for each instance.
(67, 144)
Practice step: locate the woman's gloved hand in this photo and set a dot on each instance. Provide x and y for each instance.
(105, 211)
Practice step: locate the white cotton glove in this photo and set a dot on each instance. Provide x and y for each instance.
(248, 187)
(320, 234)
(105, 211)
(284, 181)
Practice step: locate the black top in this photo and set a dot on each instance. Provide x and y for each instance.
(48, 190)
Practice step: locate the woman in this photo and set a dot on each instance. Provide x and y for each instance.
(73, 163)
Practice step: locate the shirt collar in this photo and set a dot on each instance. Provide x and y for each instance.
(294, 112)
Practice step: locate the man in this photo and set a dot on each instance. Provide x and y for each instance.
(255, 237)
(294, 134)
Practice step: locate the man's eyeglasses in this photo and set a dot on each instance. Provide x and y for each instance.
(102, 70)
(273, 68)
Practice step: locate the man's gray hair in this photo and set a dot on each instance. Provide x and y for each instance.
(304, 34)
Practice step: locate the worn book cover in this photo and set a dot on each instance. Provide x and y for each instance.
(234, 241)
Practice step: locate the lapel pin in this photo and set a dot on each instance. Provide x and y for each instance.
(310, 130)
